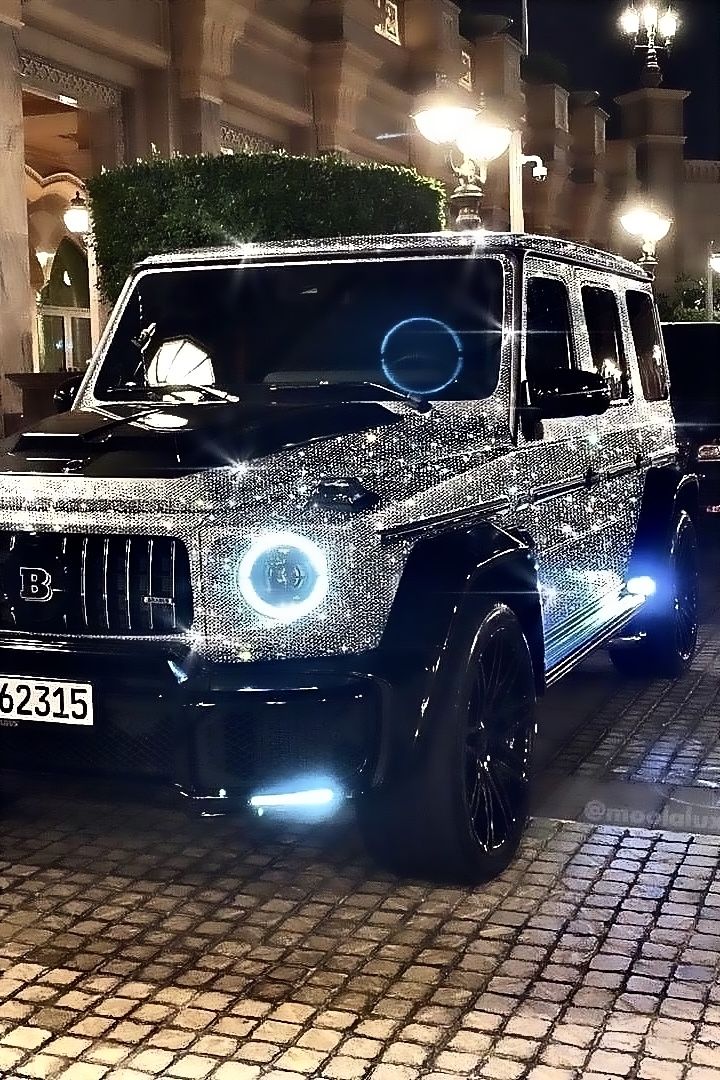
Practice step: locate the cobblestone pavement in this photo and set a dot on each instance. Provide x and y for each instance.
(138, 942)
(636, 752)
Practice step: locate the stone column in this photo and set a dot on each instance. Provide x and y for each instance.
(434, 47)
(546, 209)
(497, 62)
(345, 58)
(16, 300)
(204, 34)
(652, 122)
(589, 188)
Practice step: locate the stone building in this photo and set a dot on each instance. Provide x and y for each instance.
(92, 83)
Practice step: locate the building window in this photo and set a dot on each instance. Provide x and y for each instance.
(466, 79)
(549, 338)
(602, 319)
(388, 24)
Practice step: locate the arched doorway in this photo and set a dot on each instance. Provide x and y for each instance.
(63, 312)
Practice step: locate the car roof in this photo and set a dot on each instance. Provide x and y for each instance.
(438, 243)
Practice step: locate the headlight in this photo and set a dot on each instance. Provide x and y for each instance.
(283, 576)
(709, 452)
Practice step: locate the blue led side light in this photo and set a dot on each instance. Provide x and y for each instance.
(421, 355)
(643, 585)
(304, 799)
(312, 797)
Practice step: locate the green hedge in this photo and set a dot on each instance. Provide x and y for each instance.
(167, 205)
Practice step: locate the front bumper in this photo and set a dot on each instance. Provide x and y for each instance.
(172, 717)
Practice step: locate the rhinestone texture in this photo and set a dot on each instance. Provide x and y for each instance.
(459, 457)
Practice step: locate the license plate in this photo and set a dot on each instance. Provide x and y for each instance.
(52, 701)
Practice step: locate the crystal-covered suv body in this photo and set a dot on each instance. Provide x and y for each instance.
(324, 518)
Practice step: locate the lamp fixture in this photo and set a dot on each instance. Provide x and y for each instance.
(445, 118)
(650, 30)
(650, 227)
(77, 216)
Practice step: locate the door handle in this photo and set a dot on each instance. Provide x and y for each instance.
(592, 477)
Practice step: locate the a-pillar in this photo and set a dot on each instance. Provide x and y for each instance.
(16, 301)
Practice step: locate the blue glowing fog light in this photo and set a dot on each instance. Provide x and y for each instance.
(283, 576)
(289, 799)
(308, 798)
(643, 585)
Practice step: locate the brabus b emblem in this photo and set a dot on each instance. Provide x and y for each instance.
(35, 584)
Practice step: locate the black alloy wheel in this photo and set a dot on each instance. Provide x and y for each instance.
(684, 559)
(498, 744)
(459, 813)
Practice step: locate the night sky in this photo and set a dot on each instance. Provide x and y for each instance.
(584, 35)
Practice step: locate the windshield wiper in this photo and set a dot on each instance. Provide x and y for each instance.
(155, 390)
(418, 402)
(211, 391)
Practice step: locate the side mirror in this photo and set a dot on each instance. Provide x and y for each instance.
(67, 392)
(569, 392)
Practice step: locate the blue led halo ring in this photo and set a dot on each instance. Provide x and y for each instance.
(454, 336)
(258, 558)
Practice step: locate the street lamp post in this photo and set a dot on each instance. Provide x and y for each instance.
(479, 140)
(713, 267)
(77, 221)
(446, 120)
(651, 31)
(649, 227)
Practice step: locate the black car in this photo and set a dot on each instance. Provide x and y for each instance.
(693, 355)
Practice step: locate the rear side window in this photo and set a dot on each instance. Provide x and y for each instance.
(648, 345)
(606, 346)
(548, 342)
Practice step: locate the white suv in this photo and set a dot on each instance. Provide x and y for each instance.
(324, 518)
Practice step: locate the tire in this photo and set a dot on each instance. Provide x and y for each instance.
(665, 635)
(459, 814)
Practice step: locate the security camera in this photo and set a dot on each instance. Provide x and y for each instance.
(539, 173)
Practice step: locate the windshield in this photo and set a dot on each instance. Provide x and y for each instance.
(425, 327)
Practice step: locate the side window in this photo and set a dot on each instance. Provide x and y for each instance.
(648, 345)
(548, 341)
(606, 345)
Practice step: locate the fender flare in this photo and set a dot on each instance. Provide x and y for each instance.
(667, 491)
(442, 576)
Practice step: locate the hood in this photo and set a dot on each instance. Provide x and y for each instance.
(132, 440)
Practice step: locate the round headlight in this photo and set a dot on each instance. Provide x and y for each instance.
(283, 576)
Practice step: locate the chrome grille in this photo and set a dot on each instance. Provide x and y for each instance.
(99, 585)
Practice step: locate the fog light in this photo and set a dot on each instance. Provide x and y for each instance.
(312, 797)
